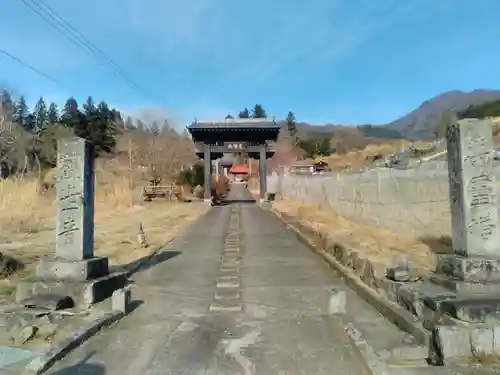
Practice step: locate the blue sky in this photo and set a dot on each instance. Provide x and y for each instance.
(339, 61)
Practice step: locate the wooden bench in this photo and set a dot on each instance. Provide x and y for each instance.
(155, 190)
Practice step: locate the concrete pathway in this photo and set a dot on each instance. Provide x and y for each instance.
(236, 294)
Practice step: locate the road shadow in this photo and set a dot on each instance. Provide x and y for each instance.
(81, 368)
(134, 305)
(438, 244)
(146, 262)
(234, 201)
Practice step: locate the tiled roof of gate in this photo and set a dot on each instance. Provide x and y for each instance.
(237, 123)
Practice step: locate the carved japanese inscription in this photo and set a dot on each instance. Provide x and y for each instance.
(74, 232)
(473, 196)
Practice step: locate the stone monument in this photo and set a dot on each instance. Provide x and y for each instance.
(466, 283)
(472, 271)
(73, 271)
(474, 209)
(460, 302)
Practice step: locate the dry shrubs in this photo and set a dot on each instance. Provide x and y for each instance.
(27, 208)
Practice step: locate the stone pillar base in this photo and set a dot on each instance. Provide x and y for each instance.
(469, 269)
(83, 293)
(85, 281)
(80, 270)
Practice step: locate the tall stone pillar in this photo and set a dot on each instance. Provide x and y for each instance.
(473, 203)
(208, 172)
(262, 171)
(473, 269)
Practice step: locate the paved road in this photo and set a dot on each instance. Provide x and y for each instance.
(236, 294)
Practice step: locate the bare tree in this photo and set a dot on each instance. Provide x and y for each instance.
(156, 153)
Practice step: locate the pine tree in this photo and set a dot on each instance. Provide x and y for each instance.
(70, 114)
(40, 116)
(7, 105)
(106, 127)
(52, 114)
(258, 111)
(117, 119)
(21, 113)
(91, 130)
(30, 123)
(244, 114)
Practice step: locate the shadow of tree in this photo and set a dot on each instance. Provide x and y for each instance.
(81, 368)
(146, 262)
(438, 244)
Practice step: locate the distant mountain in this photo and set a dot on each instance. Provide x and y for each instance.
(421, 123)
(370, 131)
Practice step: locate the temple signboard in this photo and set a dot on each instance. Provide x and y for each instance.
(235, 146)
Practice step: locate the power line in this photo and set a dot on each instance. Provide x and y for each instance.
(50, 16)
(30, 67)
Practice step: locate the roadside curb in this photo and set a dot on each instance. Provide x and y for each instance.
(41, 364)
(390, 310)
(372, 361)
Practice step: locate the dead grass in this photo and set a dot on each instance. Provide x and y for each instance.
(374, 243)
(28, 221)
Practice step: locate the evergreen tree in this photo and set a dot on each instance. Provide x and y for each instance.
(52, 114)
(244, 114)
(7, 105)
(21, 113)
(117, 119)
(106, 127)
(323, 148)
(70, 114)
(258, 111)
(40, 116)
(30, 123)
(291, 124)
(91, 130)
(228, 117)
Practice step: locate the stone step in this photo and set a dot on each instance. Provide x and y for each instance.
(226, 305)
(465, 306)
(227, 294)
(414, 296)
(84, 293)
(476, 309)
(408, 354)
(224, 283)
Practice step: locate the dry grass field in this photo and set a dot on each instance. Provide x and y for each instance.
(397, 230)
(28, 222)
(377, 244)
